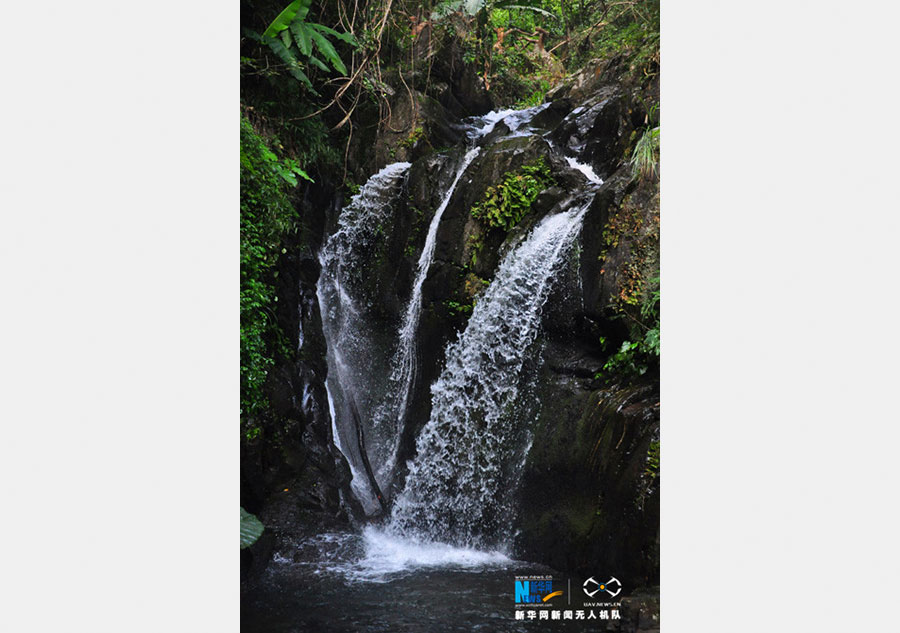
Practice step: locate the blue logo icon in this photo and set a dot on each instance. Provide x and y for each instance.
(535, 591)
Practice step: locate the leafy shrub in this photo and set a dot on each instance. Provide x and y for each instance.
(536, 97)
(634, 358)
(630, 29)
(507, 202)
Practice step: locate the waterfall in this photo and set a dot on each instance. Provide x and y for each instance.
(403, 365)
(467, 452)
(460, 484)
(351, 358)
(367, 411)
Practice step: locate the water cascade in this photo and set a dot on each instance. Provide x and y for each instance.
(403, 366)
(350, 342)
(459, 486)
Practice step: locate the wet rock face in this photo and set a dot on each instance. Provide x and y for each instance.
(463, 92)
(416, 126)
(295, 450)
(458, 228)
(589, 496)
(596, 131)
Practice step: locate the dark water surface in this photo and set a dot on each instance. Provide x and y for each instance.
(368, 583)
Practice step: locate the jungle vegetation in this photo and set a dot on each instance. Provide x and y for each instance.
(311, 70)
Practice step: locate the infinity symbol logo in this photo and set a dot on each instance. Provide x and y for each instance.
(602, 586)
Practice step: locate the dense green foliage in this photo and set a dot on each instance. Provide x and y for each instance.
(267, 215)
(634, 358)
(507, 202)
(627, 29)
(519, 47)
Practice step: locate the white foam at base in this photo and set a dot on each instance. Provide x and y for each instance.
(386, 553)
(378, 556)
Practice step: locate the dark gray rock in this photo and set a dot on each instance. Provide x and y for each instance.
(588, 466)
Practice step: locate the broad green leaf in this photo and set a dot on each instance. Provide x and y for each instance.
(328, 51)
(304, 9)
(302, 173)
(251, 529)
(344, 37)
(253, 35)
(301, 36)
(295, 10)
(286, 38)
(318, 62)
(293, 65)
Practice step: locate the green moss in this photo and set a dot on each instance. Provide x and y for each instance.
(507, 202)
(473, 285)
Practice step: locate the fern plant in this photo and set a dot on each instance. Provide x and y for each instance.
(292, 38)
(507, 202)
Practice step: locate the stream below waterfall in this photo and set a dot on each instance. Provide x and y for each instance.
(377, 583)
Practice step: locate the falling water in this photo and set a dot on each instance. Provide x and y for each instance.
(516, 120)
(459, 486)
(350, 343)
(587, 170)
(403, 365)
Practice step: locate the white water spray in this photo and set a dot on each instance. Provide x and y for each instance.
(459, 487)
(587, 170)
(350, 344)
(403, 366)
